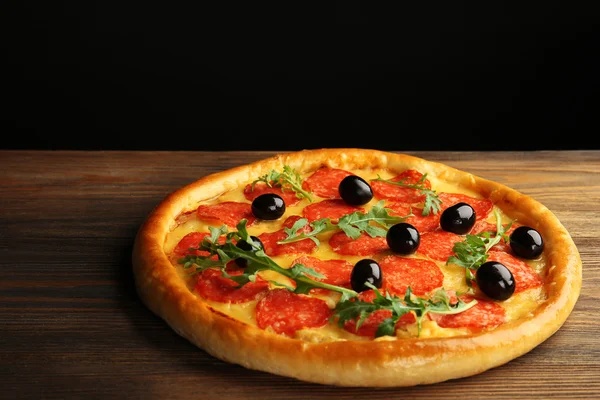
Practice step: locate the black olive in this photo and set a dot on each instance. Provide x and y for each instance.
(495, 280)
(355, 191)
(364, 271)
(458, 218)
(526, 242)
(242, 244)
(268, 206)
(403, 238)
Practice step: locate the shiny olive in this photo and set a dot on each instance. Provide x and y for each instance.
(366, 271)
(526, 242)
(403, 238)
(355, 191)
(242, 244)
(458, 218)
(495, 280)
(268, 206)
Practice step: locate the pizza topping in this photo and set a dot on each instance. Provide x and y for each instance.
(369, 326)
(268, 206)
(415, 217)
(273, 241)
(365, 245)
(333, 209)
(409, 187)
(458, 218)
(355, 191)
(288, 180)
(472, 252)
(438, 245)
(482, 207)
(403, 238)
(399, 273)
(359, 310)
(253, 190)
(483, 226)
(285, 312)
(334, 272)
(305, 278)
(254, 245)
(212, 285)
(352, 225)
(526, 242)
(325, 182)
(484, 315)
(228, 212)
(365, 272)
(495, 280)
(188, 245)
(525, 277)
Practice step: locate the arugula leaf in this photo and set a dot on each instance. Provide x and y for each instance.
(353, 225)
(296, 232)
(288, 179)
(257, 261)
(432, 201)
(359, 310)
(472, 252)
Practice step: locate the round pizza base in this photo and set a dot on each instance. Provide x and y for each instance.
(376, 363)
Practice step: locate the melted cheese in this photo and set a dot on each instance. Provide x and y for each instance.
(520, 305)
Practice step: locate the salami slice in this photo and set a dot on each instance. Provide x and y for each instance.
(288, 196)
(370, 325)
(482, 207)
(421, 275)
(286, 312)
(336, 272)
(484, 226)
(438, 245)
(525, 277)
(229, 212)
(332, 209)
(325, 182)
(211, 285)
(423, 223)
(389, 191)
(192, 240)
(270, 239)
(292, 219)
(484, 315)
(365, 245)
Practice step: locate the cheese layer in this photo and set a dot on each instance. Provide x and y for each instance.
(520, 305)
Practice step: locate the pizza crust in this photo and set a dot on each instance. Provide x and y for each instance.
(377, 363)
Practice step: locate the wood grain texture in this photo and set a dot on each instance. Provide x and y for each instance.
(71, 325)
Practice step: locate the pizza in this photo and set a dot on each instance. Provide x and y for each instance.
(357, 267)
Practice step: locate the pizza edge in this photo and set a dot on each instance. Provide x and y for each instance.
(380, 363)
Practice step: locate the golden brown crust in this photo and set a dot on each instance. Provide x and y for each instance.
(401, 362)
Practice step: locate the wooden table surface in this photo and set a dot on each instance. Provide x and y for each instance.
(73, 327)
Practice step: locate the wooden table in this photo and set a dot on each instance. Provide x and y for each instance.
(73, 327)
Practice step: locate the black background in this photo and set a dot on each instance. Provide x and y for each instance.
(290, 75)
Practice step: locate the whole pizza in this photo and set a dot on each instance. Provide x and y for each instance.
(357, 267)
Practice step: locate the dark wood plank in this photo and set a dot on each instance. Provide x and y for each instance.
(72, 326)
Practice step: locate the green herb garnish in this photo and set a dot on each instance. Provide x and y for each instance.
(256, 259)
(288, 179)
(352, 224)
(473, 251)
(439, 303)
(432, 201)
